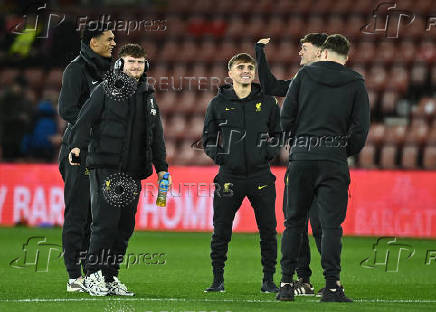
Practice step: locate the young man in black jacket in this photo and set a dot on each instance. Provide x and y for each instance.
(326, 113)
(240, 126)
(79, 78)
(310, 52)
(126, 139)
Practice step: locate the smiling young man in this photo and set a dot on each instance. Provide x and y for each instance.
(126, 140)
(310, 52)
(239, 125)
(79, 78)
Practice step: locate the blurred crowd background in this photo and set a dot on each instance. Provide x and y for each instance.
(189, 53)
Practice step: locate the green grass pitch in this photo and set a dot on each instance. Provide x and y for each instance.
(406, 283)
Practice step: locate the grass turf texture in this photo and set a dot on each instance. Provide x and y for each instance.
(178, 284)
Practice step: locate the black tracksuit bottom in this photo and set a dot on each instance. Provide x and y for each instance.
(230, 191)
(303, 263)
(77, 215)
(111, 228)
(328, 182)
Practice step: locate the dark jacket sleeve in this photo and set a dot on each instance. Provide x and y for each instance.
(158, 148)
(90, 112)
(288, 116)
(270, 85)
(210, 135)
(275, 131)
(360, 121)
(70, 93)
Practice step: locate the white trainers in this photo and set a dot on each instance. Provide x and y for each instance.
(95, 284)
(118, 289)
(76, 285)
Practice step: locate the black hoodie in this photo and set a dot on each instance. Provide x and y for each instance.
(82, 75)
(237, 132)
(326, 112)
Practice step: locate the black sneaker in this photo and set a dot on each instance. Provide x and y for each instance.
(286, 293)
(268, 286)
(303, 289)
(319, 293)
(217, 286)
(335, 295)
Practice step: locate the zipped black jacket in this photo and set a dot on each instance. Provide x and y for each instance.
(270, 84)
(326, 112)
(242, 135)
(82, 75)
(124, 135)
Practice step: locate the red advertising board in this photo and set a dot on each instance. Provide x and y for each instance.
(397, 203)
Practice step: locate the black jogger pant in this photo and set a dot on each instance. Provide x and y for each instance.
(111, 228)
(77, 215)
(303, 263)
(230, 191)
(328, 181)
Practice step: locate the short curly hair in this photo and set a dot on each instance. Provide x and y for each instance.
(132, 49)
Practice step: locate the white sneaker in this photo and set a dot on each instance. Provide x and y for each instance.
(76, 285)
(117, 288)
(95, 284)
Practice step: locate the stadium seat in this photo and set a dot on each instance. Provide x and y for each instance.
(7, 76)
(169, 51)
(335, 24)
(35, 77)
(367, 157)
(54, 78)
(429, 159)
(410, 157)
(406, 51)
(365, 52)
(376, 78)
(399, 78)
(376, 134)
(194, 127)
(295, 26)
(394, 135)
(388, 157)
(388, 100)
(417, 133)
(176, 126)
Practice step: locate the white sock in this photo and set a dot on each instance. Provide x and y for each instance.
(283, 284)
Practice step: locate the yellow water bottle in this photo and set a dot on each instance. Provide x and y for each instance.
(161, 200)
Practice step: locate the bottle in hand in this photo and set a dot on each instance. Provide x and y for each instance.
(161, 200)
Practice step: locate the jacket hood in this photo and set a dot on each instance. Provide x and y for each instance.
(99, 63)
(227, 92)
(331, 73)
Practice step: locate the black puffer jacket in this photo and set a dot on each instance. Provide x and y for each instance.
(124, 135)
(82, 75)
(237, 131)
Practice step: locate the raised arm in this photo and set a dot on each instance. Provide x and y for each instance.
(270, 84)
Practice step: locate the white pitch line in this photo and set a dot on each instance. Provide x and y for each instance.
(48, 300)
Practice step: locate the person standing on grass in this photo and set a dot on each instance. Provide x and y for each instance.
(125, 140)
(326, 112)
(79, 78)
(240, 126)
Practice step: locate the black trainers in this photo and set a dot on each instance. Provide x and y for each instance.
(217, 286)
(286, 293)
(319, 293)
(268, 286)
(335, 295)
(303, 289)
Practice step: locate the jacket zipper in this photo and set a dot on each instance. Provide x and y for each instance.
(244, 139)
